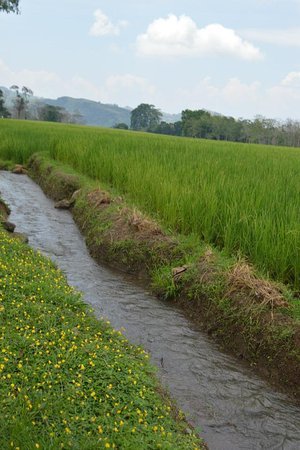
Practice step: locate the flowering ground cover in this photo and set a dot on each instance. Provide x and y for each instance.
(68, 380)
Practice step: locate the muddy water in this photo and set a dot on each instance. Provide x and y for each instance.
(234, 409)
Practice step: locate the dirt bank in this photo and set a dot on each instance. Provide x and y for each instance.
(250, 316)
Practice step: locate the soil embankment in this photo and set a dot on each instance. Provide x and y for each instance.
(249, 315)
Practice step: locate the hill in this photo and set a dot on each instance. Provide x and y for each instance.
(101, 114)
(91, 112)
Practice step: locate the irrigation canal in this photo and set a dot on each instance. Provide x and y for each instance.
(235, 409)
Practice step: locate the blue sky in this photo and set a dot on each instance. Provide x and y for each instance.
(236, 58)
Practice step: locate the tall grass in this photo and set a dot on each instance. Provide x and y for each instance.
(243, 198)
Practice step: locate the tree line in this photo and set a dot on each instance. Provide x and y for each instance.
(22, 108)
(146, 117)
(207, 125)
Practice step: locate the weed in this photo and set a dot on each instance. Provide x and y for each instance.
(68, 380)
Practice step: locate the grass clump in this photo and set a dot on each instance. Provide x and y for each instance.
(6, 165)
(68, 380)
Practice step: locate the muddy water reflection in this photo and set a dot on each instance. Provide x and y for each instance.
(235, 409)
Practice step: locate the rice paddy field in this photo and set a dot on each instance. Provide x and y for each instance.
(241, 198)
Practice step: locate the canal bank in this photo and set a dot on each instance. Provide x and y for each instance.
(234, 407)
(67, 379)
(248, 315)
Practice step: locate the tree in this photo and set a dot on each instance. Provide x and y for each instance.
(145, 117)
(197, 124)
(50, 113)
(21, 101)
(121, 126)
(4, 113)
(38, 110)
(9, 6)
(165, 128)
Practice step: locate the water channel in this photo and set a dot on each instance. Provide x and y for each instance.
(234, 409)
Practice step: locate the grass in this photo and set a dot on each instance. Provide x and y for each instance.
(238, 197)
(229, 297)
(68, 380)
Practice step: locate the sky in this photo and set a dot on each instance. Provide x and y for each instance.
(237, 58)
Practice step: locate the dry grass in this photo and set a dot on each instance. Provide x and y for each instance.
(242, 282)
(98, 197)
(142, 224)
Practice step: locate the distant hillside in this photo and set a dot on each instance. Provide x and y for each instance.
(92, 113)
(8, 96)
(97, 113)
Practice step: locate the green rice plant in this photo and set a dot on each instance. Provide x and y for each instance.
(239, 197)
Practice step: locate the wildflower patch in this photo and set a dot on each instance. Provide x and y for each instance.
(68, 380)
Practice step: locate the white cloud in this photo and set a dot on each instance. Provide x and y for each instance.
(80, 87)
(128, 89)
(239, 99)
(128, 81)
(47, 84)
(237, 92)
(283, 102)
(180, 36)
(123, 89)
(38, 81)
(233, 98)
(102, 25)
(284, 37)
(292, 80)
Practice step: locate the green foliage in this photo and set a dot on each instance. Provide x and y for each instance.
(50, 113)
(172, 129)
(6, 165)
(121, 126)
(145, 117)
(203, 124)
(163, 283)
(21, 101)
(4, 113)
(243, 198)
(68, 380)
(9, 6)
